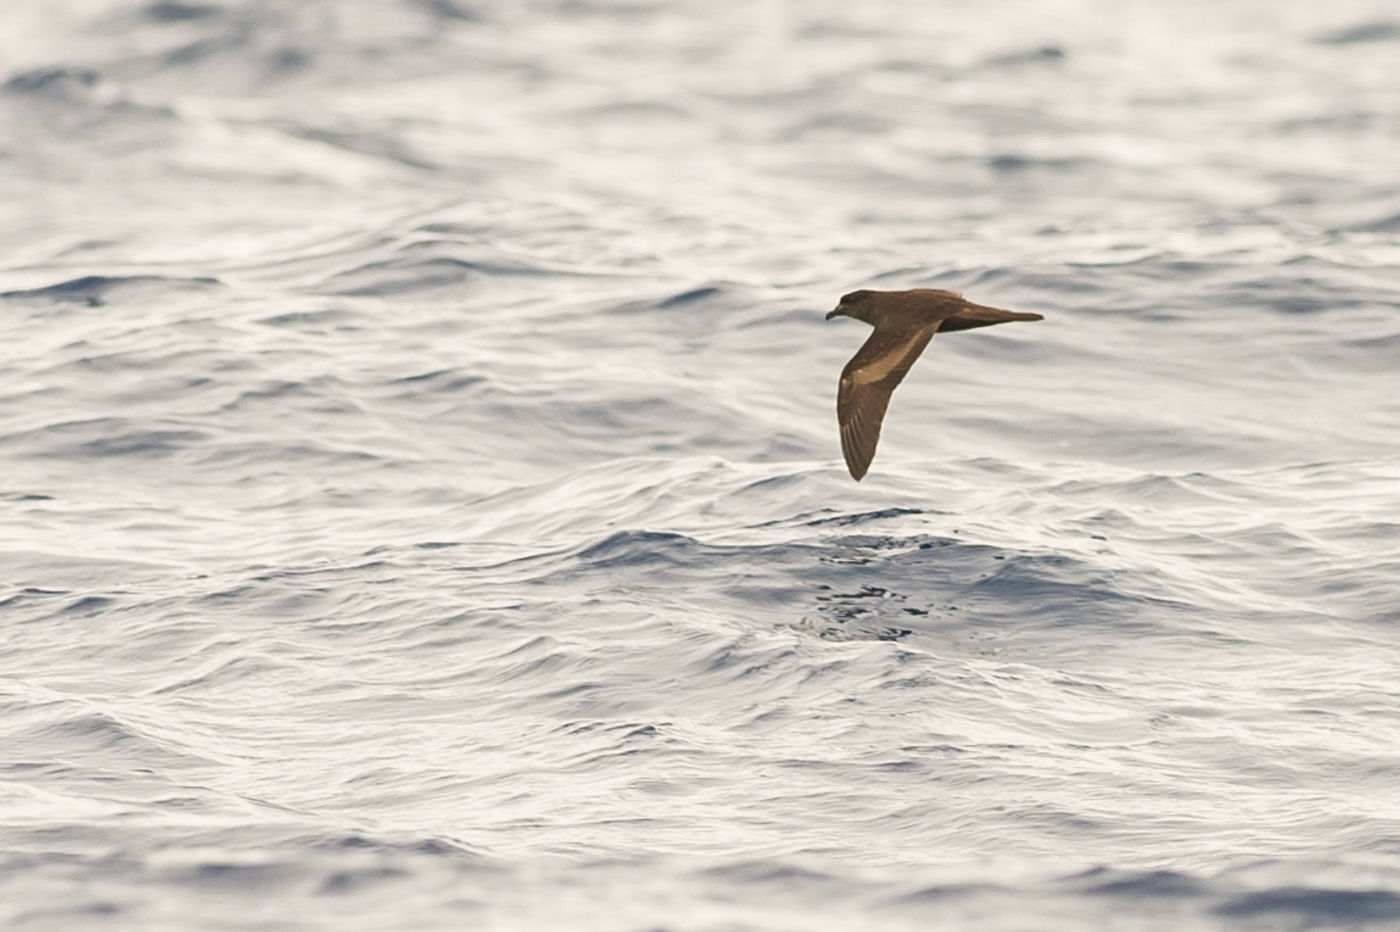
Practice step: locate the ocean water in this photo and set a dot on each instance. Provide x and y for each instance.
(421, 504)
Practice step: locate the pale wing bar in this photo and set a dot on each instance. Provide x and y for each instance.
(861, 404)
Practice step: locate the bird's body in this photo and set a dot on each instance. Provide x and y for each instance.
(904, 322)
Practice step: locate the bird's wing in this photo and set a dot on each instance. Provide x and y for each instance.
(866, 385)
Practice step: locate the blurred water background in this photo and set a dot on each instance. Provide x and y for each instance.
(421, 504)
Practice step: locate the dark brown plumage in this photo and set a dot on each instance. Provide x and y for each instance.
(904, 322)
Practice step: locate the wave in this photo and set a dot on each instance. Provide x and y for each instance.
(97, 290)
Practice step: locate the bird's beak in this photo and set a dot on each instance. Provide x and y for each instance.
(835, 312)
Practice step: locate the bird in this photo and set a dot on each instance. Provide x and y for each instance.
(904, 322)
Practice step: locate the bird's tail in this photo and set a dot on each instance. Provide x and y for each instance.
(976, 315)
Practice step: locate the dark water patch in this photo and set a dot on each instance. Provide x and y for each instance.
(1386, 224)
(411, 273)
(89, 606)
(399, 276)
(1064, 590)
(702, 298)
(67, 115)
(378, 144)
(449, 382)
(173, 11)
(644, 111)
(1314, 905)
(55, 82)
(1040, 55)
(853, 627)
(456, 229)
(767, 488)
(288, 60)
(322, 391)
(946, 893)
(620, 729)
(867, 517)
(260, 878)
(862, 548)
(760, 581)
(770, 874)
(327, 320)
(1157, 883)
(357, 843)
(1302, 293)
(141, 443)
(78, 911)
(1381, 30)
(869, 613)
(29, 595)
(453, 10)
(1347, 121)
(925, 584)
(693, 296)
(192, 53)
(1013, 164)
(103, 437)
(639, 548)
(96, 290)
(342, 882)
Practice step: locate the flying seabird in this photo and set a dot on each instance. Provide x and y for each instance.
(904, 322)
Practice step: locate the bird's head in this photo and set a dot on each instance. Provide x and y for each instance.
(857, 304)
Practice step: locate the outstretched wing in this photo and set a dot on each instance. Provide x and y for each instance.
(866, 385)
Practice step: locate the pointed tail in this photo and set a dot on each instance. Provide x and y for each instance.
(975, 315)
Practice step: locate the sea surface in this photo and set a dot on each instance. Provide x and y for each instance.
(421, 504)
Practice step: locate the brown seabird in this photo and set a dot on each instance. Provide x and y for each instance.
(904, 322)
